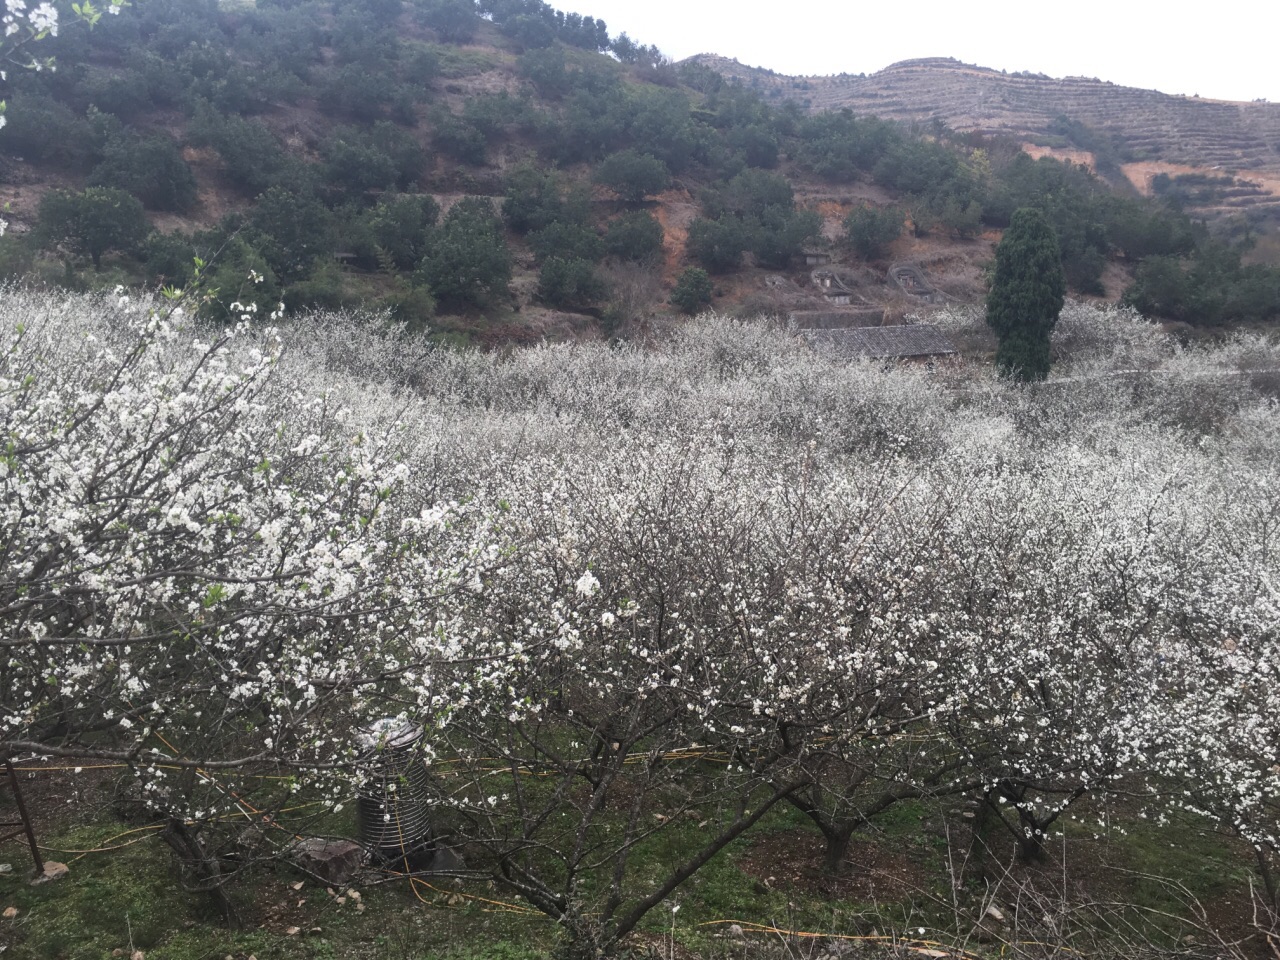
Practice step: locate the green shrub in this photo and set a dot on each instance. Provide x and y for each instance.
(633, 175)
(870, 230)
(150, 168)
(570, 284)
(567, 241)
(467, 262)
(692, 291)
(322, 289)
(40, 130)
(169, 258)
(251, 154)
(718, 244)
(401, 227)
(634, 236)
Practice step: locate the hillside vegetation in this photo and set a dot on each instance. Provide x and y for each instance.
(501, 171)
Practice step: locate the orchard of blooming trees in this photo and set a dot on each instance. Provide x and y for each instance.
(633, 591)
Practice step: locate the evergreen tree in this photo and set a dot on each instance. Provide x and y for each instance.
(633, 175)
(467, 261)
(693, 290)
(1026, 295)
(92, 222)
(871, 230)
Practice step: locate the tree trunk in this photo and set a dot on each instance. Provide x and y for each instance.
(1268, 883)
(975, 861)
(835, 858)
(1030, 840)
(196, 863)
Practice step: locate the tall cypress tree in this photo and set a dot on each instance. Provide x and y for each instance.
(1026, 295)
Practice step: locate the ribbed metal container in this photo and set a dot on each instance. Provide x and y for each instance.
(391, 804)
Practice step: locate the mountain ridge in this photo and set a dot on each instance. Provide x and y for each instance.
(1147, 125)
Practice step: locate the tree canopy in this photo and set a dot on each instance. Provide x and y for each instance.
(91, 222)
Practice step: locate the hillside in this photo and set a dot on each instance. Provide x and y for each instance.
(501, 172)
(1145, 131)
(1146, 124)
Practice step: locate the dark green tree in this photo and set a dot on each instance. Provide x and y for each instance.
(757, 143)
(779, 235)
(401, 227)
(566, 241)
(1026, 295)
(870, 230)
(293, 230)
(151, 168)
(354, 167)
(571, 284)
(634, 236)
(169, 258)
(457, 137)
(50, 134)
(92, 222)
(633, 175)
(252, 155)
(233, 279)
(536, 198)
(467, 262)
(548, 71)
(692, 291)
(455, 21)
(718, 244)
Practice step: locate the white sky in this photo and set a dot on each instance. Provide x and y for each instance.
(1229, 50)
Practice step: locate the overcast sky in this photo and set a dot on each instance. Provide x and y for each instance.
(1225, 50)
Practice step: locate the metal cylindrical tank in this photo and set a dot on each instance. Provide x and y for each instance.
(391, 803)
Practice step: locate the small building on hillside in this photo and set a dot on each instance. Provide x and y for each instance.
(909, 341)
(911, 280)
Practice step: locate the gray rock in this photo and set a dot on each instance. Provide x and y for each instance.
(334, 861)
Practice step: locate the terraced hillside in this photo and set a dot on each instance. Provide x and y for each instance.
(1144, 125)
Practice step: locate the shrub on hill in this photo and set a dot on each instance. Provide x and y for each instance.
(536, 198)
(455, 21)
(42, 130)
(291, 230)
(568, 241)
(718, 244)
(870, 230)
(401, 228)
(634, 236)
(467, 263)
(253, 157)
(151, 168)
(633, 175)
(692, 290)
(570, 283)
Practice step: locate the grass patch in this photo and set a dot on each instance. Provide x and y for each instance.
(132, 899)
